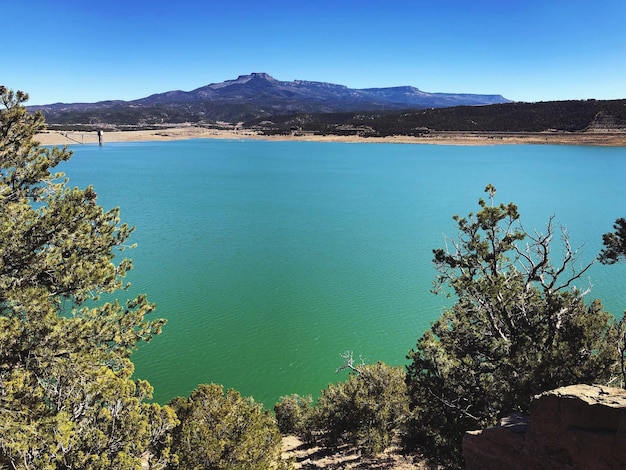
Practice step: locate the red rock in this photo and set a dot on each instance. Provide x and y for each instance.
(580, 426)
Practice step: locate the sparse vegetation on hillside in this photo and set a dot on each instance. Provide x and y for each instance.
(566, 116)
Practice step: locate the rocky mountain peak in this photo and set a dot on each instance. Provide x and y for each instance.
(258, 94)
(243, 79)
(262, 76)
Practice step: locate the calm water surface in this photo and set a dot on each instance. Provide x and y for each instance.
(269, 259)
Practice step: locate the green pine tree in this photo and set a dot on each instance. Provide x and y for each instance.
(518, 327)
(225, 431)
(67, 396)
(365, 410)
(614, 244)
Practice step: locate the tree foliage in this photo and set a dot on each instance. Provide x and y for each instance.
(569, 116)
(614, 243)
(294, 414)
(67, 397)
(220, 431)
(365, 410)
(614, 251)
(518, 327)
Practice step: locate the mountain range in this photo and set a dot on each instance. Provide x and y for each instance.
(254, 96)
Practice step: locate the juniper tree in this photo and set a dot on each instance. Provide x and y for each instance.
(365, 410)
(518, 327)
(293, 416)
(614, 243)
(67, 396)
(223, 431)
(613, 252)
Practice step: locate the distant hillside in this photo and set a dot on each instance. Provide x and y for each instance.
(253, 96)
(568, 116)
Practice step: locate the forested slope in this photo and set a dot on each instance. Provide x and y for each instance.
(568, 116)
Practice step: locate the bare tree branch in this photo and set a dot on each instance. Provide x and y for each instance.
(349, 363)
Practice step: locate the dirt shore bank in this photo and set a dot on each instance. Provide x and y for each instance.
(612, 139)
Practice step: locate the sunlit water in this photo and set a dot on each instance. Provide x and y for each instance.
(269, 259)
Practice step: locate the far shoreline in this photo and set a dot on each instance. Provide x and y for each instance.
(603, 138)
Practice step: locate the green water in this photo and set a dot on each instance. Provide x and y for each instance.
(269, 259)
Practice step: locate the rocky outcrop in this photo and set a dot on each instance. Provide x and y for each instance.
(607, 122)
(575, 427)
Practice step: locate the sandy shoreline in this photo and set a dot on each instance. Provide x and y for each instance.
(613, 139)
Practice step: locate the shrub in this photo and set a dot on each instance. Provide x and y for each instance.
(293, 414)
(365, 410)
(224, 431)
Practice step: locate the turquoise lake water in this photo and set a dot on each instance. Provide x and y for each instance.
(270, 259)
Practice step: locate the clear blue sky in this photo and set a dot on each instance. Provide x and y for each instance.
(529, 50)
